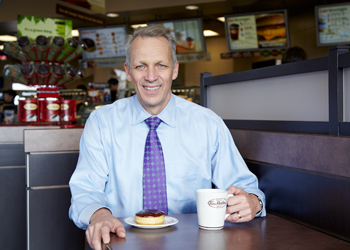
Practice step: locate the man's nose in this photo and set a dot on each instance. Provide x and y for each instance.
(151, 74)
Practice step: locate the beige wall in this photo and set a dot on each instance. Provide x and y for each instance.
(302, 30)
(101, 75)
(217, 66)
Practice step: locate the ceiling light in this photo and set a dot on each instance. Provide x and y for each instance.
(192, 7)
(221, 19)
(7, 38)
(1, 47)
(134, 26)
(112, 14)
(75, 33)
(210, 33)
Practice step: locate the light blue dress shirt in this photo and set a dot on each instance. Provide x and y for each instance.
(198, 151)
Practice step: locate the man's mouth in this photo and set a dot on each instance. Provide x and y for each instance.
(151, 88)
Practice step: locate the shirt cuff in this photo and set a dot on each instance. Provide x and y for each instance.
(88, 212)
(261, 212)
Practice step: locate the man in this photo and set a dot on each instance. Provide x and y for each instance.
(8, 109)
(9, 96)
(113, 85)
(294, 54)
(197, 146)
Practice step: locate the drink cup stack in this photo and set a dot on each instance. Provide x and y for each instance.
(55, 48)
(43, 72)
(13, 49)
(78, 51)
(45, 61)
(13, 73)
(27, 47)
(68, 48)
(41, 47)
(79, 75)
(57, 72)
(28, 72)
(69, 74)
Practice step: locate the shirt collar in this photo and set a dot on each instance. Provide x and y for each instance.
(168, 114)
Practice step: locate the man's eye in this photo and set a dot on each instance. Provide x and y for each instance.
(162, 65)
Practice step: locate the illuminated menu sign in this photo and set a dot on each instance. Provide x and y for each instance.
(333, 24)
(103, 42)
(257, 31)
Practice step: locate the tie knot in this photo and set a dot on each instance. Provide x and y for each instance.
(153, 122)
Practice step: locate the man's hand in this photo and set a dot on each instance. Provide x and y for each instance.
(242, 206)
(102, 222)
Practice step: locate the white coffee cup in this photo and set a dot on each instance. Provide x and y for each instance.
(211, 208)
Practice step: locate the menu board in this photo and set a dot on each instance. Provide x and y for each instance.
(188, 34)
(333, 24)
(103, 42)
(257, 31)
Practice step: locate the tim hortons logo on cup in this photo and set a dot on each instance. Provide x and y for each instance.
(217, 202)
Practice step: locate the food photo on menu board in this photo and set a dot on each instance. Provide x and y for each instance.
(188, 35)
(257, 31)
(333, 24)
(103, 42)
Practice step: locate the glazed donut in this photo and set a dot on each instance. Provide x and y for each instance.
(150, 217)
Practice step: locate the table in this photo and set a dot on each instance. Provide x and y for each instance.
(271, 232)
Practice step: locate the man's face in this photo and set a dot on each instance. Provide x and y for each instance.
(7, 97)
(152, 72)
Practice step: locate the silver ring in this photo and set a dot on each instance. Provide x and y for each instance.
(239, 216)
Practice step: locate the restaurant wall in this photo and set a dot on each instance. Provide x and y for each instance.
(101, 74)
(217, 66)
(302, 30)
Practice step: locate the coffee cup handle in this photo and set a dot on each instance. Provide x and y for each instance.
(229, 196)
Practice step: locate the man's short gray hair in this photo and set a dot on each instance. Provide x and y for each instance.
(154, 30)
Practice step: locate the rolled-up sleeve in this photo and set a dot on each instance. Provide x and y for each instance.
(88, 181)
(229, 168)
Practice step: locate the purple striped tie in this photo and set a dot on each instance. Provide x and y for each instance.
(154, 179)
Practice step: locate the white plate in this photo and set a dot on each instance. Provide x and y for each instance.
(169, 221)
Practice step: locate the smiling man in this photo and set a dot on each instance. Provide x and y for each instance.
(154, 150)
(151, 69)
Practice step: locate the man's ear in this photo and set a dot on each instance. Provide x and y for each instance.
(176, 70)
(128, 75)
